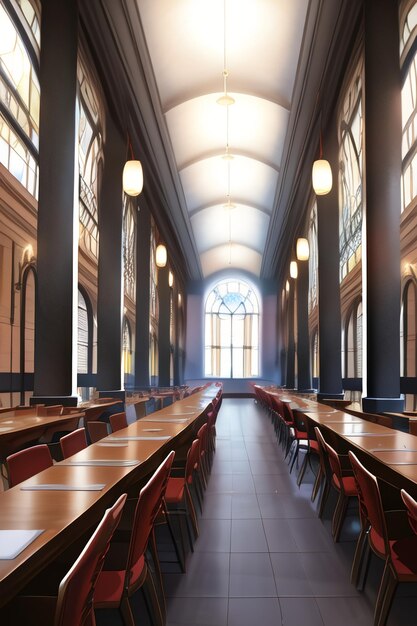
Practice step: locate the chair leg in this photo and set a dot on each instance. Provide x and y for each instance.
(359, 556)
(385, 596)
(155, 610)
(317, 483)
(180, 552)
(302, 469)
(323, 498)
(295, 454)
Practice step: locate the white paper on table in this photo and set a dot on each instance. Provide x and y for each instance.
(112, 444)
(13, 542)
(167, 420)
(103, 462)
(139, 438)
(152, 430)
(63, 487)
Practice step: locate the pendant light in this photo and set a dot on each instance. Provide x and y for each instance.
(322, 174)
(293, 269)
(132, 176)
(302, 249)
(161, 255)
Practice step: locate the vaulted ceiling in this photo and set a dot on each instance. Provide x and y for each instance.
(164, 62)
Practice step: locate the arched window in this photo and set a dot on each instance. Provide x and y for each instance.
(85, 332)
(90, 146)
(313, 260)
(20, 92)
(353, 342)
(129, 248)
(127, 349)
(315, 362)
(27, 327)
(154, 309)
(232, 331)
(409, 107)
(408, 330)
(350, 176)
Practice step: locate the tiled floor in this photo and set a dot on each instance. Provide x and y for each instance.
(263, 557)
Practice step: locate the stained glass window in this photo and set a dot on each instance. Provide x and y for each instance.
(232, 331)
(154, 309)
(350, 177)
(129, 248)
(313, 259)
(83, 335)
(353, 342)
(409, 108)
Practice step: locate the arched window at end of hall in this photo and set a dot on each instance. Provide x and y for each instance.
(350, 175)
(232, 331)
(90, 155)
(85, 334)
(408, 338)
(127, 351)
(353, 349)
(408, 26)
(315, 361)
(20, 92)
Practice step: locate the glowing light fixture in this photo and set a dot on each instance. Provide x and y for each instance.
(226, 99)
(293, 269)
(132, 178)
(322, 174)
(170, 279)
(302, 249)
(287, 286)
(161, 255)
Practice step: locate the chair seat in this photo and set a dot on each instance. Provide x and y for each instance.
(175, 490)
(349, 485)
(404, 557)
(110, 583)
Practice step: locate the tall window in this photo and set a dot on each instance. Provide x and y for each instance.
(232, 331)
(353, 342)
(315, 362)
(129, 249)
(154, 309)
(409, 107)
(127, 350)
(350, 201)
(408, 338)
(90, 145)
(313, 260)
(20, 93)
(83, 335)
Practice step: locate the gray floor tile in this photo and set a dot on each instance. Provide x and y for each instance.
(197, 611)
(251, 576)
(290, 576)
(326, 575)
(250, 611)
(220, 483)
(214, 536)
(300, 611)
(273, 483)
(347, 611)
(278, 535)
(310, 536)
(245, 506)
(242, 483)
(217, 506)
(207, 576)
(248, 536)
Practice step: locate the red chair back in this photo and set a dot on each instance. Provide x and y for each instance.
(323, 456)
(97, 430)
(202, 437)
(411, 505)
(369, 498)
(76, 591)
(118, 421)
(26, 463)
(147, 508)
(334, 463)
(193, 457)
(73, 442)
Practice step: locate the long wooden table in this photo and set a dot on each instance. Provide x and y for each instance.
(18, 426)
(71, 509)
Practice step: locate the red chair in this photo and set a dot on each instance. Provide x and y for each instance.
(344, 484)
(28, 462)
(97, 431)
(118, 421)
(73, 442)
(74, 603)
(178, 495)
(324, 474)
(399, 552)
(115, 587)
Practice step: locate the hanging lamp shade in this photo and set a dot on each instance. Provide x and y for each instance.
(322, 177)
(161, 255)
(132, 178)
(293, 269)
(170, 279)
(303, 249)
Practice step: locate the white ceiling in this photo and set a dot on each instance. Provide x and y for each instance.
(186, 41)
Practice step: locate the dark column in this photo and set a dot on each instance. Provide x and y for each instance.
(55, 362)
(303, 341)
(381, 268)
(164, 343)
(330, 375)
(290, 370)
(143, 260)
(109, 308)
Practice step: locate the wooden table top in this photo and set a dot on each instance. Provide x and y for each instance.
(65, 515)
